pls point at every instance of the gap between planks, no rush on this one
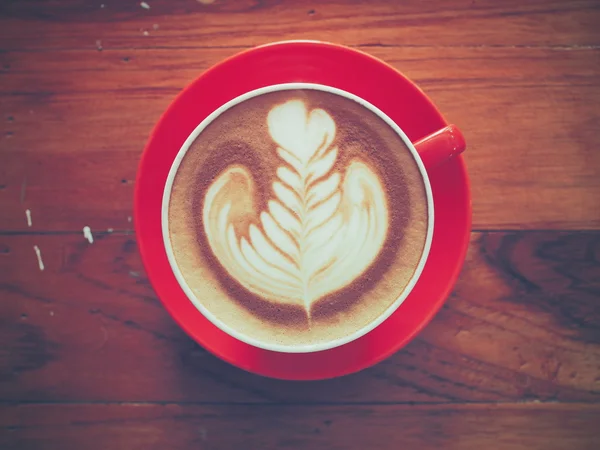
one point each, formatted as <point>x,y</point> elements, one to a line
<point>357,46</point>
<point>130,232</point>
<point>422,405</point>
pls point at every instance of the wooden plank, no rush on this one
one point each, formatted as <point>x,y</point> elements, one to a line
<point>187,23</point>
<point>537,167</point>
<point>60,72</point>
<point>452,427</point>
<point>522,324</point>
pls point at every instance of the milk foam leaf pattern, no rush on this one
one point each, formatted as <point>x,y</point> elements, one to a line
<point>324,225</point>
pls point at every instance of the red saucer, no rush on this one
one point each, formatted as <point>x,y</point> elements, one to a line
<point>346,69</point>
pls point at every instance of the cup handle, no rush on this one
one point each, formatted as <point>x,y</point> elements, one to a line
<point>440,146</point>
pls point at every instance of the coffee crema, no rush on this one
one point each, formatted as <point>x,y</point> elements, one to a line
<point>297,217</point>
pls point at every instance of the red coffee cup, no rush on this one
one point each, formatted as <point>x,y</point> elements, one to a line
<point>438,144</point>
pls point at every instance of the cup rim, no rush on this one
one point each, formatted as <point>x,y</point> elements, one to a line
<point>305,348</point>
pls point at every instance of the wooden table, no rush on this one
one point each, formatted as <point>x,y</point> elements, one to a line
<point>91,360</point>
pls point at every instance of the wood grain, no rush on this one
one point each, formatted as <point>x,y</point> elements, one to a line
<point>189,23</point>
<point>529,115</point>
<point>522,324</point>
<point>451,427</point>
<point>90,358</point>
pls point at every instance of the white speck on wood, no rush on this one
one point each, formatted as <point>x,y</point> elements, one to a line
<point>203,434</point>
<point>51,313</point>
<point>129,219</point>
<point>144,5</point>
<point>38,253</point>
<point>146,33</point>
<point>110,230</point>
<point>155,27</point>
<point>102,6</point>
<point>28,216</point>
<point>98,44</point>
<point>87,233</point>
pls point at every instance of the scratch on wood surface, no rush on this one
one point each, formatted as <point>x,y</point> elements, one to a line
<point>554,374</point>
<point>23,190</point>
<point>87,233</point>
<point>28,216</point>
<point>38,253</point>
<point>104,337</point>
<point>144,5</point>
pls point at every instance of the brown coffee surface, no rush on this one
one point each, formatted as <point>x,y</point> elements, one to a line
<point>297,244</point>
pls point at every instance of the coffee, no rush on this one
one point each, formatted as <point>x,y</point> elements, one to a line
<point>297,217</point>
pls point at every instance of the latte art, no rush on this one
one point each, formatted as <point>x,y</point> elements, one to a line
<point>295,217</point>
<point>322,227</point>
